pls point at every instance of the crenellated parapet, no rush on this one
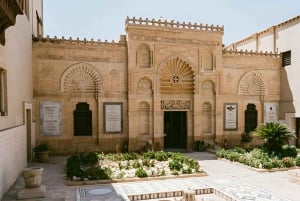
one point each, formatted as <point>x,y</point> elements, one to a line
<point>70,40</point>
<point>172,24</point>
<point>250,53</point>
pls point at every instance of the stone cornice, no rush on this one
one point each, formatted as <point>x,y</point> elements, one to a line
<point>250,53</point>
<point>9,9</point>
<point>77,41</point>
<point>139,22</point>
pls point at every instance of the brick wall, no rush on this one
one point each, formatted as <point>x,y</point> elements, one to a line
<point>13,156</point>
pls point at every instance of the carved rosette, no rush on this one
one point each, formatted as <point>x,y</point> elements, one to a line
<point>176,104</point>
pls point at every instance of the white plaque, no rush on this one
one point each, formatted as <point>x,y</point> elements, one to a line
<point>270,112</point>
<point>230,120</point>
<point>50,118</point>
<point>112,117</point>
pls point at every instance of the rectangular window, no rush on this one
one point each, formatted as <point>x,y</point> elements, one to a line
<point>286,58</point>
<point>3,93</point>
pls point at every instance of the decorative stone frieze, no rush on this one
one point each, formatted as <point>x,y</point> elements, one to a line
<point>175,40</point>
<point>176,104</point>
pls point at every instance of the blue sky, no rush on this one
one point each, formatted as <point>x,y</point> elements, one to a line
<point>104,19</point>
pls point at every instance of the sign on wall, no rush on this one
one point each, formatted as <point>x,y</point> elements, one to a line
<point>50,118</point>
<point>270,112</point>
<point>230,116</point>
<point>113,117</point>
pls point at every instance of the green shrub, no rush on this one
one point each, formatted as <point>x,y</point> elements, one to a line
<point>73,167</point>
<point>149,155</point>
<point>288,151</point>
<point>187,170</point>
<point>161,156</point>
<point>140,172</point>
<point>275,135</point>
<point>89,159</point>
<point>288,162</point>
<point>297,161</point>
<point>175,165</point>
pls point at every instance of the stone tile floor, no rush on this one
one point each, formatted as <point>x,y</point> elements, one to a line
<point>228,181</point>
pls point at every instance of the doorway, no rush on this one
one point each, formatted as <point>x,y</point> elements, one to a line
<point>297,131</point>
<point>175,129</point>
<point>28,134</point>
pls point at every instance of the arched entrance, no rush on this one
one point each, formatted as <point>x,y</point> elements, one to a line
<point>177,89</point>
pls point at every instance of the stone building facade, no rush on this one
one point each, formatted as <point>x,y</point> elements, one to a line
<point>165,84</point>
<point>281,38</point>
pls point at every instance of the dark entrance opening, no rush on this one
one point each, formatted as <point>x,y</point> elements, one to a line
<point>297,131</point>
<point>82,120</point>
<point>175,129</point>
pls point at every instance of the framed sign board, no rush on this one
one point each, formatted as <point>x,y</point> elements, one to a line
<point>50,118</point>
<point>230,116</point>
<point>113,113</point>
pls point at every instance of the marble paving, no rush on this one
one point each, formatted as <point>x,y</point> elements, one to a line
<point>171,189</point>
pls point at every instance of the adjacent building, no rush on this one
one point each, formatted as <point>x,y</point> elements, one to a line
<point>282,38</point>
<point>19,20</point>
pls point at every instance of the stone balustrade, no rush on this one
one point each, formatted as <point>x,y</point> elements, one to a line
<point>173,24</point>
<point>55,39</point>
<point>250,53</point>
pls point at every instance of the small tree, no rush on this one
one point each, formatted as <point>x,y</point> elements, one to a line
<point>275,135</point>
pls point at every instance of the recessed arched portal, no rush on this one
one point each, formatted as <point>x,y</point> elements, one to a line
<point>177,89</point>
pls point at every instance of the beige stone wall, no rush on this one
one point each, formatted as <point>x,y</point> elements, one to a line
<point>69,72</point>
<point>162,67</point>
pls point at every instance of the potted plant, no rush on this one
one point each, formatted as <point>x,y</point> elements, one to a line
<point>246,139</point>
<point>41,152</point>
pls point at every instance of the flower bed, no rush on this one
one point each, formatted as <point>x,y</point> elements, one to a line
<point>95,166</point>
<point>258,158</point>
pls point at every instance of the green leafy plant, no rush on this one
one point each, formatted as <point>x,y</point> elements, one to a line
<point>41,148</point>
<point>140,172</point>
<point>246,137</point>
<point>275,135</point>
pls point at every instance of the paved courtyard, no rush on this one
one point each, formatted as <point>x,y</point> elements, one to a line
<point>225,181</point>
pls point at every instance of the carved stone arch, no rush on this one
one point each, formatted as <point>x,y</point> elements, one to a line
<point>208,88</point>
<point>144,106</point>
<point>81,78</point>
<point>176,77</point>
<point>145,85</point>
<point>252,83</point>
<point>143,56</point>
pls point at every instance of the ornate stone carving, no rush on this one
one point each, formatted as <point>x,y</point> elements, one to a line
<point>145,85</point>
<point>252,84</point>
<point>176,104</point>
<point>175,40</point>
<point>176,77</point>
<point>81,78</point>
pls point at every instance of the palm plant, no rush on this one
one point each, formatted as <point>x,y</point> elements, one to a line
<point>275,135</point>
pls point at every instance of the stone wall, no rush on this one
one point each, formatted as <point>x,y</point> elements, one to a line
<point>13,157</point>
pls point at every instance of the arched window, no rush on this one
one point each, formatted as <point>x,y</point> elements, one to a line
<point>250,117</point>
<point>82,120</point>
